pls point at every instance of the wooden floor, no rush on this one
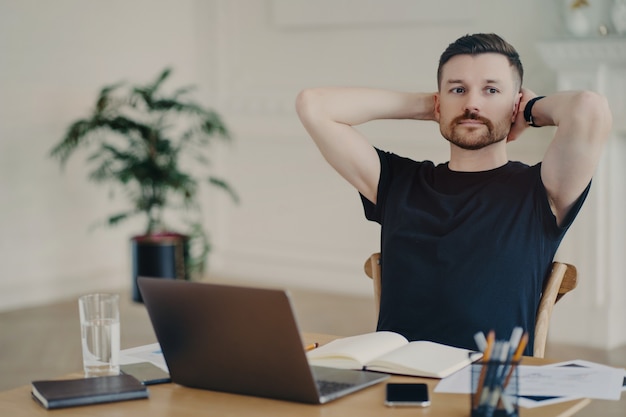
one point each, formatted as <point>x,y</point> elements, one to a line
<point>44,342</point>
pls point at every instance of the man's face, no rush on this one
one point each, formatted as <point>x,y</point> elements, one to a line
<point>477,100</point>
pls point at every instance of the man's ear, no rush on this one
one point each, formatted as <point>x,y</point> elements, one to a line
<point>516,104</point>
<point>437,107</point>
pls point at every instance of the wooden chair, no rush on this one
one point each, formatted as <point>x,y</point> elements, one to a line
<point>561,280</point>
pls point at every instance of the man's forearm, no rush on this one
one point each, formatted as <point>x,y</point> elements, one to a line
<point>329,114</point>
<point>354,106</point>
<point>582,109</point>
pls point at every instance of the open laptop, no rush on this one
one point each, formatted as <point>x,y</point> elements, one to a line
<point>241,340</point>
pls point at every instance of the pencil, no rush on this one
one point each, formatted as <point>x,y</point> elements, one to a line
<point>311,346</point>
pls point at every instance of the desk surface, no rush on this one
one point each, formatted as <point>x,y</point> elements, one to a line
<point>175,400</point>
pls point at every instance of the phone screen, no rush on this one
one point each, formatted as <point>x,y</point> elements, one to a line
<point>407,394</point>
<point>146,372</point>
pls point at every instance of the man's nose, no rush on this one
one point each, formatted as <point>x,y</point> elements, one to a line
<point>472,102</point>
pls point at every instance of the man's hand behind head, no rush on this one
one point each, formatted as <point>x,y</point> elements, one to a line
<point>519,124</point>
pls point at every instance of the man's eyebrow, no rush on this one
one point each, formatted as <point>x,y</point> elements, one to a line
<point>461,81</point>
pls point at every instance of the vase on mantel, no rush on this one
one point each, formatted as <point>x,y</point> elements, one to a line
<point>618,16</point>
<point>576,21</point>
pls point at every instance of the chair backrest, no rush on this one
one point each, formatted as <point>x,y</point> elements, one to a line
<point>561,280</point>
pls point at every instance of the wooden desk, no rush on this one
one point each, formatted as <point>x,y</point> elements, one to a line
<point>175,400</point>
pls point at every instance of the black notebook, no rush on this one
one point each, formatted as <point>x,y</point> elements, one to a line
<point>74,392</point>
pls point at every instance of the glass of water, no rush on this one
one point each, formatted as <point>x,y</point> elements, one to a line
<point>100,334</point>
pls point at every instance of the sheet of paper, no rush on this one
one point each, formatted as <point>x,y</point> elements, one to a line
<point>459,383</point>
<point>146,353</point>
<point>587,364</point>
<point>588,380</point>
<point>532,402</point>
<point>598,383</point>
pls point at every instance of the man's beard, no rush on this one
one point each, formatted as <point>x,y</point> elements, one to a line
<point>471,141</point>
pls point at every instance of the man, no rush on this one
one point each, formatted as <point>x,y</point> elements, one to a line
<point>465,245</point>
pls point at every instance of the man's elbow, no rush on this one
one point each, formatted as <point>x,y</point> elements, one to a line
<point>306,103</point>
<point>594,108</point>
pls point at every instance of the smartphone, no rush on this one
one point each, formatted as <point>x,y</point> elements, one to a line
<point>407,394</point>
<point>146,372</point>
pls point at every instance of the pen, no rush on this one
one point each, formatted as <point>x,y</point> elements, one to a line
<point>311,346</point>
<point>517,356</point>
<point>518,344</point>
<point>493,386</point>
<point>481,341</point>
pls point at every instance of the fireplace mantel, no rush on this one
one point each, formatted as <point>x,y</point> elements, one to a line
<point>580,54</point>
<point>597,64</point>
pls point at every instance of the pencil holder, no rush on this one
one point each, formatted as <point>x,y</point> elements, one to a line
<point>494,389</point>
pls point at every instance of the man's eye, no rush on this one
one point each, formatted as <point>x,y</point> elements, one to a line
<point>457,90</point>
<point>491,90</point>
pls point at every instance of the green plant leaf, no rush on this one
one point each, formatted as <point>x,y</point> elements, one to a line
<point>118,218</point>
<point>220,183</point>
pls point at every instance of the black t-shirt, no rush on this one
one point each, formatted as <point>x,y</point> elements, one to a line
<point>462,252</point>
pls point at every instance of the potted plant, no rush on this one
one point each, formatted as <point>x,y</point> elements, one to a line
<point>154,147</point>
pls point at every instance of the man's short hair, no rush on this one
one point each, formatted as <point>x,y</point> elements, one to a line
<point>481,43</point>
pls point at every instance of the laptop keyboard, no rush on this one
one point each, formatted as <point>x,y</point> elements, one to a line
<point>330,387</point>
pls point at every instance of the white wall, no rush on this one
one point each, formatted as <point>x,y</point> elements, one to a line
<point>298,223</point>
<point>56,55</point>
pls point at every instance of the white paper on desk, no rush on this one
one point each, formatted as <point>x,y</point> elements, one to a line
<point>146,353</point>
<point>532,402</point>
<point>552,381</point>
<point>459,383</point>
<point>599,383</point>
<point>586,364</point>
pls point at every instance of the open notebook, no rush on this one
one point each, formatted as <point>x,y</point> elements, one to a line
<point>392,353</point>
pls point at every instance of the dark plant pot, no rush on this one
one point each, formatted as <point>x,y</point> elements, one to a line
<point>162,255</point>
